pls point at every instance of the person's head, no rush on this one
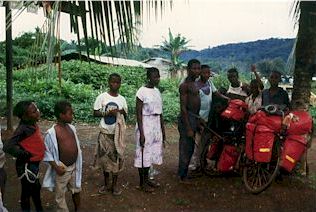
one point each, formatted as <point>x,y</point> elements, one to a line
<point>274,78</point>
<point>194,68</point>
<point>254,87</point>
<point>205,73</point>
<point>114,82</point>
<point>232,76</point>
<point>27,111</point>
<point>153,76</point>
<point>63,111</point>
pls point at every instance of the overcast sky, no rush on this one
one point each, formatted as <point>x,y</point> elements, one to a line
<point>206,23</point>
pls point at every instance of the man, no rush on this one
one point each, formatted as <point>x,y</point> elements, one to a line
<point>275,94</point>
<point>206,91</point>
<point>188,122</point>
<point>237,89</point>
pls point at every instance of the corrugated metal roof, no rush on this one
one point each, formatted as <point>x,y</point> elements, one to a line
<point>105,60</point>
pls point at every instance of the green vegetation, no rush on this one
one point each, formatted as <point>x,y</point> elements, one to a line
<point>81,84</point>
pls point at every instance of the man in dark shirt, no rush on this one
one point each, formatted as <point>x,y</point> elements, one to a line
<point>275,94</point>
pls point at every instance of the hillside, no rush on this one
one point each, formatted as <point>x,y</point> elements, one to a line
<point>248,51</point>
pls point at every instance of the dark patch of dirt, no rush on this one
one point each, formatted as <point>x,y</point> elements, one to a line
<point>206,194</point>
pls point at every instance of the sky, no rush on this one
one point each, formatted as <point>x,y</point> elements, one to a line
<point>206,23</point>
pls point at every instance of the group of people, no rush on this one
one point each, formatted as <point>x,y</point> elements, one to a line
<point>60,146</point>
<point>196,95</point>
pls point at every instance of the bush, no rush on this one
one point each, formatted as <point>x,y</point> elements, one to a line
<point>82,83</point>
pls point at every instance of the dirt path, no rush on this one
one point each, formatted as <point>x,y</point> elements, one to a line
<point>207,194</point>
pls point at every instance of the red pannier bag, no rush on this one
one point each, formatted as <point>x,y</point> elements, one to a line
<point>303,125</point>
<point>263,143</point>
<point>228,158</point>
<point>213,150</point>
<point>236,110</point>
<point>250,132</point>
<point>293,148</point>
<point>273,122</point>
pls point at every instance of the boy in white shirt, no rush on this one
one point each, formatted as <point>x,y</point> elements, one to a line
<point>112,108</point>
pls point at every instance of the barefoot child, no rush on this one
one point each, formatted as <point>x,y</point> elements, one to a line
<point>28,147</point>
<point>112,108</point>
<point>64,156</point>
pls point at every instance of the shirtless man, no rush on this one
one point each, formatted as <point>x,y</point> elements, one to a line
<point>64,156</point>
<point>188,122</point>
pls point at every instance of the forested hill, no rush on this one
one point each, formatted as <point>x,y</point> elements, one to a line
<point>250,52</point>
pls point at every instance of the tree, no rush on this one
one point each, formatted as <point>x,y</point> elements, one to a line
<point>305,52</point>
<point>105,17</point>
<point>175,46</point>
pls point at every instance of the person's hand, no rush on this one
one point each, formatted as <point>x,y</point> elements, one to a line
<point>142,140</point>
<point>113,112</point>
<point>60,170</point>
<point>253,68</point>
<point>190,133</point>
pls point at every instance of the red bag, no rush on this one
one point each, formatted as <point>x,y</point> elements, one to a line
<point>263,143</point>
<point>303,125</point>
<point>250,132</point>
<point>236,110</point>
<point>273,122</point>
<point>293,149</point>
<point>213,150</point>
<point>228,158</point>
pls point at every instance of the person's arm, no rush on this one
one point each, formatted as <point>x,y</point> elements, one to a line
<point>12,146</point>
<point>218,94</point>
<point>139,117</point>
<point>162,125</point>
<point>48,156</point>
<point>183,90</point>
<point>253,69</point>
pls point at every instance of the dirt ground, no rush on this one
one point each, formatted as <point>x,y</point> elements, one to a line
<point>206,194</point>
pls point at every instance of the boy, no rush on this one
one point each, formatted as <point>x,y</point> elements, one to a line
<point>188,122</point>
<point>64,156</point>
<point>237,89</point>
<point>112,108</point>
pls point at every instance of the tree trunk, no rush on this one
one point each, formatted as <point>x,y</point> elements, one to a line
<point>9,62</point>
<point>305,55</point>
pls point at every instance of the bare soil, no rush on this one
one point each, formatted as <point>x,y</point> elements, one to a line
<point>225,193</point>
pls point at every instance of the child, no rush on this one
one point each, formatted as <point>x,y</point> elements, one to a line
<point>237,89</point>
<point>254,100</point>
<point>112,108</point>
<point>150,131</point>
<point>28,147</point>
<point>64,156</point>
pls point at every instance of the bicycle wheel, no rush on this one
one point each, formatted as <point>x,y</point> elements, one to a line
<point>258,176</point>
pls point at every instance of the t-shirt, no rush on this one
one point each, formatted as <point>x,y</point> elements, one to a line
<point>237,90</point>
<point>254,104</point>
<point>104,103</point>
<point>152,101</point>
<point>206,93</point>
<point>280,98</point>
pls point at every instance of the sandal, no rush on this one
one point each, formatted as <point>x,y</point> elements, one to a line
<point>103,190</point>
<point>116,192</point>
<point>153,184</point>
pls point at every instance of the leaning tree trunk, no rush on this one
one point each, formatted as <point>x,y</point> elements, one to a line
<point>305,54</point>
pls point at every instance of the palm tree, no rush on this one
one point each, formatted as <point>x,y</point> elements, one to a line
<point>175,45</point>
<point>305,52</point>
